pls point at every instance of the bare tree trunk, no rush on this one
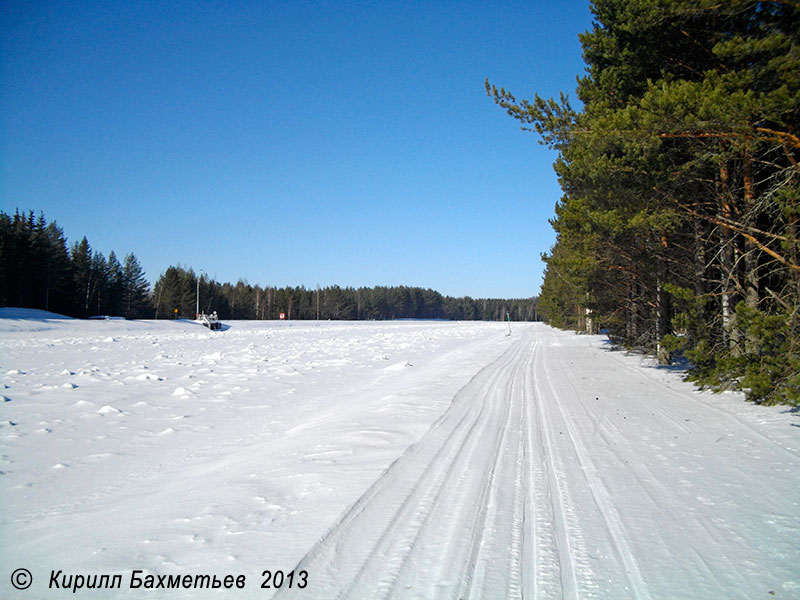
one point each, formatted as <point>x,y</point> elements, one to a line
<point>662,322</point>
<point>728,265</point>
<point>158,300</point>
<point>632,316</point>
<point>663,307</point>
<point>794,253</point>
<point>750,252</point>
<point>699,263</point>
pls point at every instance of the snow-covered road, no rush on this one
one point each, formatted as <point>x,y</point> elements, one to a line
<point>563,470</point>
<point>387,460</point>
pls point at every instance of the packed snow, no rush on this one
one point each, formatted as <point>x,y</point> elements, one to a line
<point>383,460</point>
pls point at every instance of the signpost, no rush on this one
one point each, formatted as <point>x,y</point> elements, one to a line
<point>197,297</point>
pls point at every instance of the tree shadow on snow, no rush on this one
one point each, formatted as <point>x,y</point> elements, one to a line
<point>680,364</point>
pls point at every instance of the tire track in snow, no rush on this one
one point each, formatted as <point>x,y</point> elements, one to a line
<point>541,546</point>
<point>601,498</point>
<point>570,551</point>
<point>493,502</point>
<point>496,563</point>
<point>661,487</point>
<point>455,516</point>
<point>741,423</point>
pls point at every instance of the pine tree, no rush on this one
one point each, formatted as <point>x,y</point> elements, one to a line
<point>681,181</point>
<point>112,304</point>
<point>135,289</point>
<point>83,277</point>
<point>57,270</point>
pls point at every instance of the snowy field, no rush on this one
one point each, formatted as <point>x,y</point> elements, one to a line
<point>383,460</point>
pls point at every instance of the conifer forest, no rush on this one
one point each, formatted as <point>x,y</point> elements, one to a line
<point>39,270</point>
<point>677,228</point>
<point>676,234</point>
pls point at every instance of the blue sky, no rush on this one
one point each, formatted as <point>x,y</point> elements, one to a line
<point>290,143</point>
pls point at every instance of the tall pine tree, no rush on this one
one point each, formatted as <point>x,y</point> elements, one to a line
<point>681,181</point>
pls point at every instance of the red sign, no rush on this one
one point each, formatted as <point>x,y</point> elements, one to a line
<point>282,316</point>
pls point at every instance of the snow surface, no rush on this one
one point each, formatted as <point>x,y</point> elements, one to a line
<point>388,460</point>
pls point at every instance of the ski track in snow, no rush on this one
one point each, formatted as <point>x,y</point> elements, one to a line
<point>507,496</point>
<point>388,460</point>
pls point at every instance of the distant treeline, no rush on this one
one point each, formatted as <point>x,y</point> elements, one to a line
<point>39,270</point>
<point>176,295</point>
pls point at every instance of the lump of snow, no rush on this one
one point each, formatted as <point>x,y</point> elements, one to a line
<point>11,312</point>
<point>110,339</point>
<point>181,391</point>
<point>68,386</point>
<point>108,410</point>
<point>148,377</point>
<point>398,366</point>
<point>167,431</point>
<point>213,356</point>
<point>66,372</point>
<point>15,372</point>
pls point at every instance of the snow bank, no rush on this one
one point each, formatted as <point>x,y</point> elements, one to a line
<point>414,459</point>
<point>28,319</point>
<point>174,448</point>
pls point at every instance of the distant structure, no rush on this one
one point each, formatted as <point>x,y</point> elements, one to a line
<point>211,321</point>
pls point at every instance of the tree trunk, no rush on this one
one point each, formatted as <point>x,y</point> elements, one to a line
<point>751,255</point>
<point>699,263</point>
<point>631,328</point>
<point>728,265</point>
<point>700,272</point>
<point>750,251</point>
<point>663,307</point>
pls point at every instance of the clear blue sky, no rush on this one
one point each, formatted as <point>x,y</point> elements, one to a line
<point>290,143</point>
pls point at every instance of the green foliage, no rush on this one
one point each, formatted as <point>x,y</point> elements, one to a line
<point>681,187</point>
<point>769,371</point>
<point>35,267</point>
<point>135,289</point>
<point>177,289</point>
<point>37,271</point>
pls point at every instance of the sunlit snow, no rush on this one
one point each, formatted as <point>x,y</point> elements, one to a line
<point>394,459</point>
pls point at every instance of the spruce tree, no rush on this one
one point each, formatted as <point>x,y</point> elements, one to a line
<point>83,280</point>
<point>135,289</point>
